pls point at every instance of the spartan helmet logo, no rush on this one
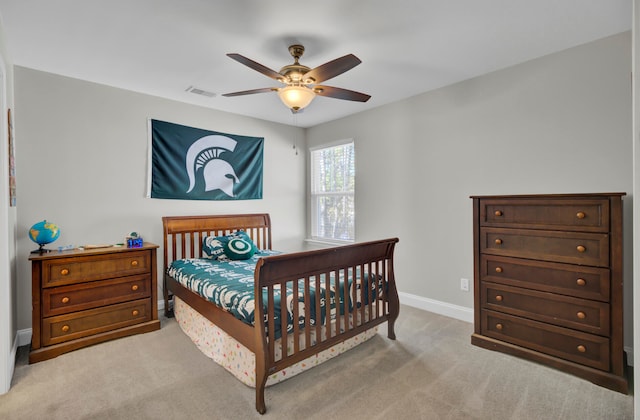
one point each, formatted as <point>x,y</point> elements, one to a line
<point>218,173</point>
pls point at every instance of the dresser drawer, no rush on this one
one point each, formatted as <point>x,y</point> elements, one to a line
<point>82,269</point>
<point>61,328</point>
<point>586,349</point>
<point>580,314</point>
<point>586,215</point>
<point>78,297</point>
<point>572,280</point>
<point>568,247</point>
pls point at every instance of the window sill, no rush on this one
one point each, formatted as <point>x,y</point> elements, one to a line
<point>326,242</point>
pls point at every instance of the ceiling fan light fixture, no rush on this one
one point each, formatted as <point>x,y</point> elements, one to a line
<point>301,82</point>
<point>296,97</point>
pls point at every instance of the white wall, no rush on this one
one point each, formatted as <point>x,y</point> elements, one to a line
<point>557,124</point>
<point>82,159</point>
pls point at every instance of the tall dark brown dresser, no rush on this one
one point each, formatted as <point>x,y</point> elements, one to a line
<point>548,281</point>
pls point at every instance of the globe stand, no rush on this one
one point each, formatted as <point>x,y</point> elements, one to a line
<point>41,250</point>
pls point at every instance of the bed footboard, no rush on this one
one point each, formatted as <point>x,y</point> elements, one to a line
<point>338,292</point>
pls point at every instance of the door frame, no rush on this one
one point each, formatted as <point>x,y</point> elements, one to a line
<point>7,345</point>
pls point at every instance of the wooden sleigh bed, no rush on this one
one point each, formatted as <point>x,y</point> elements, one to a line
<point>355,281</point>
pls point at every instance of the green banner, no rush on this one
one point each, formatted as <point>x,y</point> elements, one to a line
<point>194,164</point>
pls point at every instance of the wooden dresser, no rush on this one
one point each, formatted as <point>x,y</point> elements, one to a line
<point>81,298</point>
<point>548,281</point>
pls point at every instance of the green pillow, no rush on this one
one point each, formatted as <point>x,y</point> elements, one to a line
<point>213,247</point>
<point>239,248</point>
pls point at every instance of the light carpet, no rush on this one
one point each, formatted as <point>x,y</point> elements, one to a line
<point>430,372</point>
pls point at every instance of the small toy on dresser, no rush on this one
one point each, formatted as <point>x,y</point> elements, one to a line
<point>134,240</point>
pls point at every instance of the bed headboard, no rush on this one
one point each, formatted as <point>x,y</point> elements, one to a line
<point>183,234</point>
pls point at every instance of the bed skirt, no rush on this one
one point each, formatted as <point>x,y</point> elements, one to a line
<point>240,361</point>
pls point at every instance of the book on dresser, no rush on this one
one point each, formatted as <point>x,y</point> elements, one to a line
<point>83,297</point>
<point>548,281</point>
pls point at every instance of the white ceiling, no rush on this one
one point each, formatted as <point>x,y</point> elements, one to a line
<point>161,47</point>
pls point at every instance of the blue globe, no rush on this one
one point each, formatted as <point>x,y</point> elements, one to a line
<point>44,233</point>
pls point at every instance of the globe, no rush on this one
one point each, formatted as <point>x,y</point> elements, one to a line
<point>44,233</point>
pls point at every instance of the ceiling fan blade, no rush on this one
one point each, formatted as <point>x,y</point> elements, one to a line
<point>339,93</point>
<point>255,65</point>
<point>250,92</point>
<point>332,69</point>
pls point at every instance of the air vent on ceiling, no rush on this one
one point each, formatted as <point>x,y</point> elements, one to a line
<point>199,91</point>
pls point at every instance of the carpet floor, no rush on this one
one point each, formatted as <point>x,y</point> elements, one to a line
<point>430,372</point>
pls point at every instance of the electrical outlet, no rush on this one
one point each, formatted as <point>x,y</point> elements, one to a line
<point>464,285</point>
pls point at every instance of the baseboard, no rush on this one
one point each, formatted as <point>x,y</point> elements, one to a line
<point>629,351</point>
<point>23,337</point>
<point>14,351</point>
<point>14,354</point>
<point>441,308</point>
<point>11,364</point>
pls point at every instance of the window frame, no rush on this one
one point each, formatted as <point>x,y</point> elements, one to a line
<point>313,196</point>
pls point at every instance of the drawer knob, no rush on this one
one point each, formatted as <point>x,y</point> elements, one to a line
<point>581,282</point>
<point>65,328</point>
<point>499,298</point>
<point>498,213</point>
<point>498,241</point>
<point>135,312</point>
<point>65,300</point>
<point>499,327</point>
<point>581,248</point>
<point>134,287</point>
<point>581,348</point>
<point>134,263</point>
<point>580,215</point>
<point>581,315</point>
<point>498,269</point>
<point>64,271</point>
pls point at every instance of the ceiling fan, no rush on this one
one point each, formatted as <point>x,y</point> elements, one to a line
<point>301,82</point>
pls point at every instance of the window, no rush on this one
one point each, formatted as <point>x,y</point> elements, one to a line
<point>333,193</point>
